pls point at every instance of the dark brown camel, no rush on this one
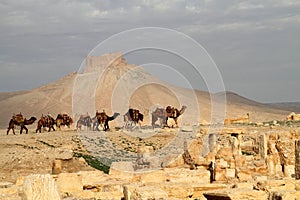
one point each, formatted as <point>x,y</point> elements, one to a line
<point>18,120</point>
<point>63,120</point>
<point>84,120</point>
<point>103,118</point>
<point>45,121</point>
<point>174,113</point>
<point>132,117</point>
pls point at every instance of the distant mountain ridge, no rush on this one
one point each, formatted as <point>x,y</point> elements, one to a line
<point>292,106</point>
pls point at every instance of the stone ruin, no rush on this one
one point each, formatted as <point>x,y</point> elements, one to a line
<point>252,163</point>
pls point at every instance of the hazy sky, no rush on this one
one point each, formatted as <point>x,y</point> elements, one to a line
<point>255,44</point>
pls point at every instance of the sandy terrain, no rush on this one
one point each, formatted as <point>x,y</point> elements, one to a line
<point>30,153</point>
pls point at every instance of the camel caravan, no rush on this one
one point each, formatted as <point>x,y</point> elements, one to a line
<point>132,118</point>
<point>46,121</point>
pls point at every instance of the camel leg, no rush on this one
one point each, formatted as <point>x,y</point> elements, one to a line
<point>106,127</point>
<point>154,119</point>
<point>38,129</point>
<point>23,127</point>
<point>166,122</point>
<point>8,129</point>
<point>175,119</point>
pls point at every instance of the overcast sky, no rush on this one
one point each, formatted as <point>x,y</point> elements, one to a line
<point>255,44</point>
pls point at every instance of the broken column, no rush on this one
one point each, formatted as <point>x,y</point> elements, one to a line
<point>263,146</point>
<point>297,159</point>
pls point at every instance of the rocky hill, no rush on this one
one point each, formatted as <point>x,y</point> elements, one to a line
<point>109,82</point>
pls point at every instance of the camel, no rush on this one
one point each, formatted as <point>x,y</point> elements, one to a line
<point>103,118</point>
<point>45,121</point>
<point>18,120</point>
<point>133,116</point>
<point>165,114</point>
<point>84,120</point>
<point>63,119</point>
<point>95,123</point>
<point>240,120</point>
<point>160,114</point>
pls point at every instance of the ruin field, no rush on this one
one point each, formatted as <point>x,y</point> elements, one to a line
<point>200,162</point>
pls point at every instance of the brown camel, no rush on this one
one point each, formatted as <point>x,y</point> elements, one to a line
<point>103,119</point>
<point>63,119</point>
<point>18,120</point>
<point>173,113</point>
<point>132,117</point>
<point>45,121</point>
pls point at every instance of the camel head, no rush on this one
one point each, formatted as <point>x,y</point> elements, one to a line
<point>183,108</point>
<point>116,114</point>
<point>30,121</point>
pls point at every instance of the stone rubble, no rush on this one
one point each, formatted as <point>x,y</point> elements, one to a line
<point>241,164</point>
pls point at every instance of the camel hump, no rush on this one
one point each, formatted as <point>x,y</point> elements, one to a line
<point>18,117</point>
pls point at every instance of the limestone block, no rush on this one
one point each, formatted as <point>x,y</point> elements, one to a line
<point>221,163</point>
<point>184,175</point>
<point>148,192</point>
<point>110,186</point>
<point>261,178</point>
<point>199,189</point>
<point>230,173</point>
<point>12,190</point>
<point>244,175</point>
<point>70,183</point>
<point>145,149</point>
<point>285,195</point>
<point>173,160</point>
<point>225,153</point>
<point>236,194</point>
<point>244,185</point>
<point>155,176</point>
<point>89,194</point>
<point>123,170</point>
<point>297,185</point>
<point>279,185</point>
<point>40,186</point>
<point>289,170</point>
<point>240,161</point>
<point>129,189</point>
<point>177,190</point>
<point>91,178</point>
<point>220,175</point>
<point>195,149</point>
